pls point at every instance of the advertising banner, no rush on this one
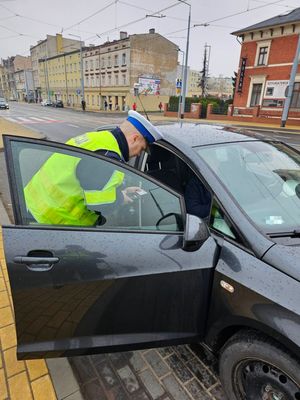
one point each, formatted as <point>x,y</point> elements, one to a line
<point>149,86</point>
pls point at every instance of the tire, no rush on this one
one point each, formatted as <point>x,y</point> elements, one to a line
<point>255,367</point>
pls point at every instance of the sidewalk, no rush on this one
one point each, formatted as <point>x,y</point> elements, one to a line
<point>34,379</point>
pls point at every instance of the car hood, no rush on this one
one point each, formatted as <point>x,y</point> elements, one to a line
<point>285,259</point>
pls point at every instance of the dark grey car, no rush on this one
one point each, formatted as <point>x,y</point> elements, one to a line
<point>154,274</point>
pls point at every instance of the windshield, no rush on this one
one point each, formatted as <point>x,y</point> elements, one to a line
<point>264,178</point>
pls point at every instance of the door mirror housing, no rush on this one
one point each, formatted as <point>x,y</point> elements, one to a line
<point>195,234</point>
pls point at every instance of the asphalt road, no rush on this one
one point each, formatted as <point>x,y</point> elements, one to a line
<point>60,124</point>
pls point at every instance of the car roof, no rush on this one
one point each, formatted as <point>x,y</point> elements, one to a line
<point>202,134</point>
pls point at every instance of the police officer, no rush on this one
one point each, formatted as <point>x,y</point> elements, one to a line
<point>66,190</point>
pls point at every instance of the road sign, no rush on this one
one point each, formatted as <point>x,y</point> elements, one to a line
<point>179,83</point>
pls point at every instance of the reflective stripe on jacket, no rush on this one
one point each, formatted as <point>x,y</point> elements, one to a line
<point>54,194</point>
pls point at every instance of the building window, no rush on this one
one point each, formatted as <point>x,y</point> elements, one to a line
<point>86,65</point>
<point>262,56</point>
<point>109,62</point>
<point>97,64</point>
<point>109,80</point>
<point>123,59</point>
<point>102,62</point>
<point>91,64</point>
<point>295,102</point>
<point>117,80</point>
<point>116,60</point>
<point>256,94</point>
<point>93,100</point>
<point>124,79</point>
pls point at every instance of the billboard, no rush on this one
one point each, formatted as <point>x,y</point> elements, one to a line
<point>149,86</point>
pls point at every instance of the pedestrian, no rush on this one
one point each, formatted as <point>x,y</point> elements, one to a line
<point>105,105</point>
<point>67,190</point>
<point>134,106</point>
<point>160,106</point>
<point>83,104</point>
<point>110,106</point>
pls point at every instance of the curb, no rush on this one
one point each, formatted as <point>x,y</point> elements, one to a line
<point>60,370</point>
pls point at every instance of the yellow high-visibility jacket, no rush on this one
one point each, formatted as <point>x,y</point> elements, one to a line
<point>54,194</point>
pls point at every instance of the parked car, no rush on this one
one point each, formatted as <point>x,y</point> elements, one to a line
<point>46,103</point>
<point>3,104</point>
<point>58,103</point>
<point>153,274</point>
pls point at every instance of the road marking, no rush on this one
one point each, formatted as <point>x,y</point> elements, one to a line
<point>31,120</point>
<point>73,126</point>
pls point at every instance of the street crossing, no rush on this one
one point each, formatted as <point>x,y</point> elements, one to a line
<point>31,120</point>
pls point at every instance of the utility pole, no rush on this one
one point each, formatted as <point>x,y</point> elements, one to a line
<point>287,103</point>
<point>186,62</point>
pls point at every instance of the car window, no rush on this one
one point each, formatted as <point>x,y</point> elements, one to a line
<point>60,186</point>
<point>264,179</point>
<point>220,223</point>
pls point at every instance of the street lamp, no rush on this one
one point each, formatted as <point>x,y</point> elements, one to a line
<point>81,66</point>
<point>186,61</point>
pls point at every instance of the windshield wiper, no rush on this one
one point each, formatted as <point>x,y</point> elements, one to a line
<point>295,234</point>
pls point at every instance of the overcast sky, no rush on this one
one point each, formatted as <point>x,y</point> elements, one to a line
<point>24,22</point>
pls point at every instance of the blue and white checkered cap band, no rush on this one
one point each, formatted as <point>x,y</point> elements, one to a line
<point>149,131</point>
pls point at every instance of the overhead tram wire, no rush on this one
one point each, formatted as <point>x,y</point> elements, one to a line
<point>207,23</point>
<point>90,16</point>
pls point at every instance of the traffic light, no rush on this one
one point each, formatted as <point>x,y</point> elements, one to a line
<point>233,80</point>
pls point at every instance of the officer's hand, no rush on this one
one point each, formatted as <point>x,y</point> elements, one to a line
<point>129,194</point>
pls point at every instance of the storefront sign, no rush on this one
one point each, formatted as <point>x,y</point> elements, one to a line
<point>276,89</point>
<point>242,74</point>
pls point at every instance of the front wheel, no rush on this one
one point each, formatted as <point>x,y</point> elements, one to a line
<point>254,367</point>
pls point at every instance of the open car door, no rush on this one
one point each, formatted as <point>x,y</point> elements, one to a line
<point>124,283</point>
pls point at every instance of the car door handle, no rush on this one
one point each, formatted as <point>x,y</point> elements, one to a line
<point>38,264</point>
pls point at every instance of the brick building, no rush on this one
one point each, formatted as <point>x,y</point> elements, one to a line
<point>267,55</point>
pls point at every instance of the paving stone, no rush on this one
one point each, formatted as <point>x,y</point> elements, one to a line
<point>165,351</point>
<point>83,368</point>
<point>196,390</point>
<point>139,396</point>
<point>218,393</point>
<point>184,352</point>
<point>174,388</point>
<point>99,358</point>
<point>107,375</point>
<point>93,390</point>
<point>202,353</point>
<point>152,384</point>
<point>179,368</point>
<point>137,361</point>
<point>202,373</point>
<point>156,362</point>
<point>129,379</point>
<point>118,360</point>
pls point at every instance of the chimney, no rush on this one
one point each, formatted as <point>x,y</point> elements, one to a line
<point>123,35</point>
<point>152,30</point>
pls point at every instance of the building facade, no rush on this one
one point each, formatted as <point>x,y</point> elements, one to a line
<point>24,85</point>
<point>115,71</point>
<point>267,54</point>
<point>60,78</point>
<point>10,67</point>
<point>45,49</point>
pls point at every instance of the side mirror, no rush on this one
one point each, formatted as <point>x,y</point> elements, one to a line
<point>195,234</point>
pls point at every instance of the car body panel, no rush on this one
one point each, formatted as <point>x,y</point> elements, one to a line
<point>270,299</point>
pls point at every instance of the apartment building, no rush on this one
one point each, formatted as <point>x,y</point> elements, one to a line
<point>46,49</point>
<point>10,66</point>
<point>116,70</point>
<point>60,78</point>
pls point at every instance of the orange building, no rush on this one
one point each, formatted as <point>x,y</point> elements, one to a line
<point>267,55</point>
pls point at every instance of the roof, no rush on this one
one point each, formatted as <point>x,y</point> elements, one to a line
<point>281,19</point>
<point>201,134</point>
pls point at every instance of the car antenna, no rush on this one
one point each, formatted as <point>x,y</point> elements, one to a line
<point>138,95</point>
